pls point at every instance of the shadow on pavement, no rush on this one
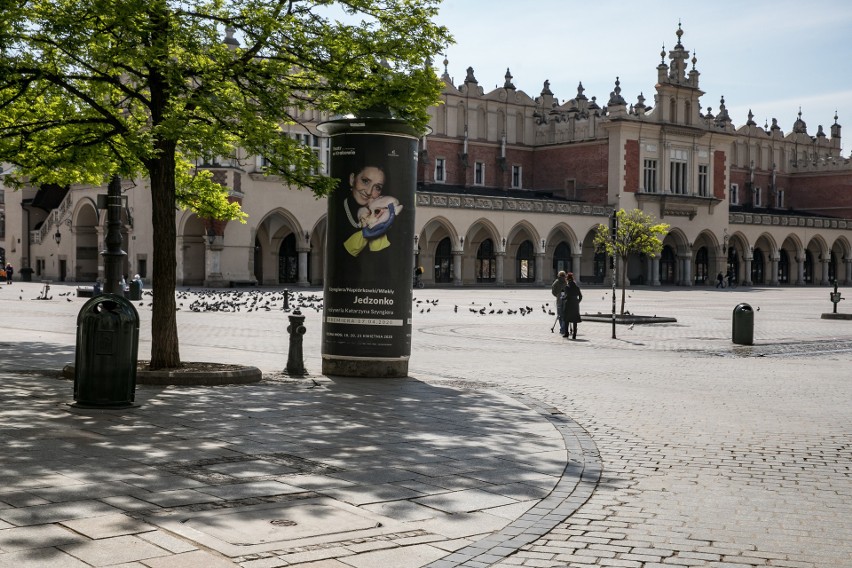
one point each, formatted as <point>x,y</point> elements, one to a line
<point>35,355</point>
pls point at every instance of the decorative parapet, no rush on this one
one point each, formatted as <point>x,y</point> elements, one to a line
<point>789,221</point>
<point>452,201</point>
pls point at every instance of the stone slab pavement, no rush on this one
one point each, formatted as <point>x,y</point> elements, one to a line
<point>507,445</point>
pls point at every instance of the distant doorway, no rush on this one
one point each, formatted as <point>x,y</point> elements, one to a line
<point>288,260</point>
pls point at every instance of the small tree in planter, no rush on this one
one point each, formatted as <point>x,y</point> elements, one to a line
<point>636,232</point>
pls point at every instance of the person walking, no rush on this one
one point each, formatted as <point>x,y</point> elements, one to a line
<point>571,311</point>
<point>9,271</point>
<point>556,289</point>
<point>720,281</point>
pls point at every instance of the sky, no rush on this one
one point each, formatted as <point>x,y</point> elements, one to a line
<point>770,56</point>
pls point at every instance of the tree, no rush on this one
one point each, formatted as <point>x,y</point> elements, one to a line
<point>90,89</point>
<point>636,233</point>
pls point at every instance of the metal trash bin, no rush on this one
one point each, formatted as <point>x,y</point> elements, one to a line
<point>135,290</point>
<point>106,356</point>
<point>743,325</point>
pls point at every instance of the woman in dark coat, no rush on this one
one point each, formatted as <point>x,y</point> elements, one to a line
<point>571,310</point>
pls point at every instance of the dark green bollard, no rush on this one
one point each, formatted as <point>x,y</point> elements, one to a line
<point>296,329</point>
<point>106,355</point>
<point>743,325</point>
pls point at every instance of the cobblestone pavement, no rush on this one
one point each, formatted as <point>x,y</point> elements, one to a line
<point>684,449</point>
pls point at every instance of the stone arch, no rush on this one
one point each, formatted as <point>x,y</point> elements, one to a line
<point>85,227</point>
<point>520,228</point>
<point>562,249</point>
<point>593,266</point>
<point>522,247</point>
<point>841,261</point>
<point>817,257</point>
<point>706,258</point>
<point>192,251</point>
<point>789,253</point>
<point>764,253</point>
<point>480,269</point>
<point>437,248</point>
<point>478,230</point>
<point>738,251</point>
<point>277,257</point>
<point>673,265</point>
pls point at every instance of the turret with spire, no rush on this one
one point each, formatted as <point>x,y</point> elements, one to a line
<point>678,96</point>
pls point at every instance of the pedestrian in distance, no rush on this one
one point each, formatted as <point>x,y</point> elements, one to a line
<point>9,271</point>
<point>571,311</point>
<point>556,289</point>
<point>720,281</point>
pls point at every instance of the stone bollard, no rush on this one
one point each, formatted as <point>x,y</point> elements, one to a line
<point>295,358</point>
<point>286,307</point>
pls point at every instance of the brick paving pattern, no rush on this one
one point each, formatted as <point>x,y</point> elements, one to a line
<point>667,446</point>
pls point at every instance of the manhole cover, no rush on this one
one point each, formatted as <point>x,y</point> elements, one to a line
<point>257,528</point>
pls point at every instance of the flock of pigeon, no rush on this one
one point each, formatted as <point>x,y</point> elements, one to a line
<point>258,300</point>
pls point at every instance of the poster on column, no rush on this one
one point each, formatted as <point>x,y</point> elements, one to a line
<point>369,250</point>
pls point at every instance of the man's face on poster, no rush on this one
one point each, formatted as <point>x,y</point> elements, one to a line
<point>367,184</point>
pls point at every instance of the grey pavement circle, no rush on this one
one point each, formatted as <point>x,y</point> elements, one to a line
<point>508,445</point>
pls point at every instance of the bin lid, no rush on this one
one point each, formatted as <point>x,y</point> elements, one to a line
<point>112,303</point>
<point>743,307</point>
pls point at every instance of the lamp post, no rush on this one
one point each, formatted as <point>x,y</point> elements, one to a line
<point>613,230</point>
<point>113,254</point>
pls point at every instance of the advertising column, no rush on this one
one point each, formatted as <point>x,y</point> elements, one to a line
<point>369,266</point>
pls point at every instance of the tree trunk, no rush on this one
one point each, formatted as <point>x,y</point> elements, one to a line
<point>165,351</point>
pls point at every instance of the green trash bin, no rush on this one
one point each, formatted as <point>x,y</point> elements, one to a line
<point>135,290</point>
<point>106,356</point>
<point>743,325</point>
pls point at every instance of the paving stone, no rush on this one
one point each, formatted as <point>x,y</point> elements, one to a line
<point>107,526</point>
<point>37,536</point>
<point>40,558</point>
<point>114,550</point>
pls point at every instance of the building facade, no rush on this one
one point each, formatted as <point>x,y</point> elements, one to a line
<point>510,190</point>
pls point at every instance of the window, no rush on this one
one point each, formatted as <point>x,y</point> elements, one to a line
<point>678,168</point>
<point>757,202</point>
<point>479,173</point>
<point>734,194</point>
<point>779,199</point>
<point>315,144</point>
<point>516,176</point>
<point>440,170</point>
<point>702,180</point>
<point>650,176</point>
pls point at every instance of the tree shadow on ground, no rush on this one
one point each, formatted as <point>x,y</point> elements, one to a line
<point>35,355</point>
